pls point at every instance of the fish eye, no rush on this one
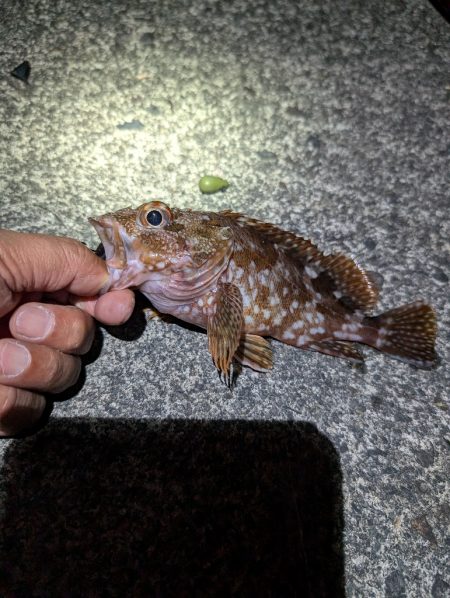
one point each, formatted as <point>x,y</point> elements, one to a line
<point>154,217</point>
<point>154,214</point>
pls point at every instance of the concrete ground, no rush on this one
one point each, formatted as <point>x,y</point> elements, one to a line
<point>151,478</point>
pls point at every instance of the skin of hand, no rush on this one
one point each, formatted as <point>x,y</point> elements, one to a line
<point>41,341</point>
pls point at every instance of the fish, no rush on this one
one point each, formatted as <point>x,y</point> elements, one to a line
<point>246,281</point>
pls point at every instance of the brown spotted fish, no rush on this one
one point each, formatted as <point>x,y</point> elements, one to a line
<point>242,280</point>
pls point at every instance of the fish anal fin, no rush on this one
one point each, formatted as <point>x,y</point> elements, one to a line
<point>338,349</point>
<point>225,327</point>
<point>255,352</point>
<point>352,281</point>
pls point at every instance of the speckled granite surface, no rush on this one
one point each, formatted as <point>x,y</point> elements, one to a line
<point>330,120</point>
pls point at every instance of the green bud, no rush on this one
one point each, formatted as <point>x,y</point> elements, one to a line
<point>212,184</point>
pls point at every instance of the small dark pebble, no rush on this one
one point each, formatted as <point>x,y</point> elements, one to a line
<point>294,111</point>
<point>421,525</point>
<point>395,585</point>
<point>147,39</point>
<point>313,142</point>
<point>439,275</point>
<point>424,458</point>
<point>22,71</point>
<point>153,110</point>
<point>376,401</point>
<point>370,243</point>
<point>130,126</point>
<point>266,155</point>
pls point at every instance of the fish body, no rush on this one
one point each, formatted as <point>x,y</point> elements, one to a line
<point>243,280</point>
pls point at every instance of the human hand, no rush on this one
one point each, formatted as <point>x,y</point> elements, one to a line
<point>40,342</point>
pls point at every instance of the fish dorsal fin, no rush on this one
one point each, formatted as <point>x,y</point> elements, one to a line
<point>338,273</point>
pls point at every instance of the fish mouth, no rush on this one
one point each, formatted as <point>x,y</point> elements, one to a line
<point>109,233</point>
<point>125,268</point>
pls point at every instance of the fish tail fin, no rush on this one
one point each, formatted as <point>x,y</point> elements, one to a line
<point>407,333</point>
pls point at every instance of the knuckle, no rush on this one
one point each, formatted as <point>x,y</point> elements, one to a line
<point>63,371</point>
<point>8,398</point>
<point>19,409</point>
<point>81,332</point>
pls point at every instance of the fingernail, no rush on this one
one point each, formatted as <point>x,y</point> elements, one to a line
<point>14,358</point>
<point>34,322</point>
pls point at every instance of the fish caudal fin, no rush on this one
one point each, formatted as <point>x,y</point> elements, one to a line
<point>407,333</point>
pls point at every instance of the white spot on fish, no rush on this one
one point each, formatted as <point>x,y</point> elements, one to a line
<point>249,320</point>
<point>160,265</point>
<point>310,272</point>
<point>239,274</point>
<point>263,279</point>
<point>298,324</point>
<point>303,339</point>
<point>310,317</point>
<point>246,301</point>
<point>277,320</point>
<point>274,300</point>
<point>266,314</point>
<point>288,335</point>
<point>340,334</point>
<point>318,330</point>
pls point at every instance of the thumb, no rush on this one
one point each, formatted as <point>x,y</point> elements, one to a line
<point>43,263</point>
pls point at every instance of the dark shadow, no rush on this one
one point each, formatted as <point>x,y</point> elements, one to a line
<point>134,327</point>
<point>174,508</point>
<point>443,7</point>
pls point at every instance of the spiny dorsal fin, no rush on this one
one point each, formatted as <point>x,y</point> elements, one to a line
<point>350,280</point>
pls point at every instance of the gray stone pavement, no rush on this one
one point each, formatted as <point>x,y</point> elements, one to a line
<point>329,119</point>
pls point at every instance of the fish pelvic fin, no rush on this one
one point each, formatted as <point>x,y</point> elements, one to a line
<point>408,333</point>
<point>255,352</point>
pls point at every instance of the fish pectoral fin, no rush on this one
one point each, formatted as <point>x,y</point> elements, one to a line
<point>255,352</point>
<point>338,349</point>
<point>225,327</point>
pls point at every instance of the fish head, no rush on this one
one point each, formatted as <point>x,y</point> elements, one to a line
<point>161,250</point>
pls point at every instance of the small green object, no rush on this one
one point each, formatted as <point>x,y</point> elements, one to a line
<point>212,184</point>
